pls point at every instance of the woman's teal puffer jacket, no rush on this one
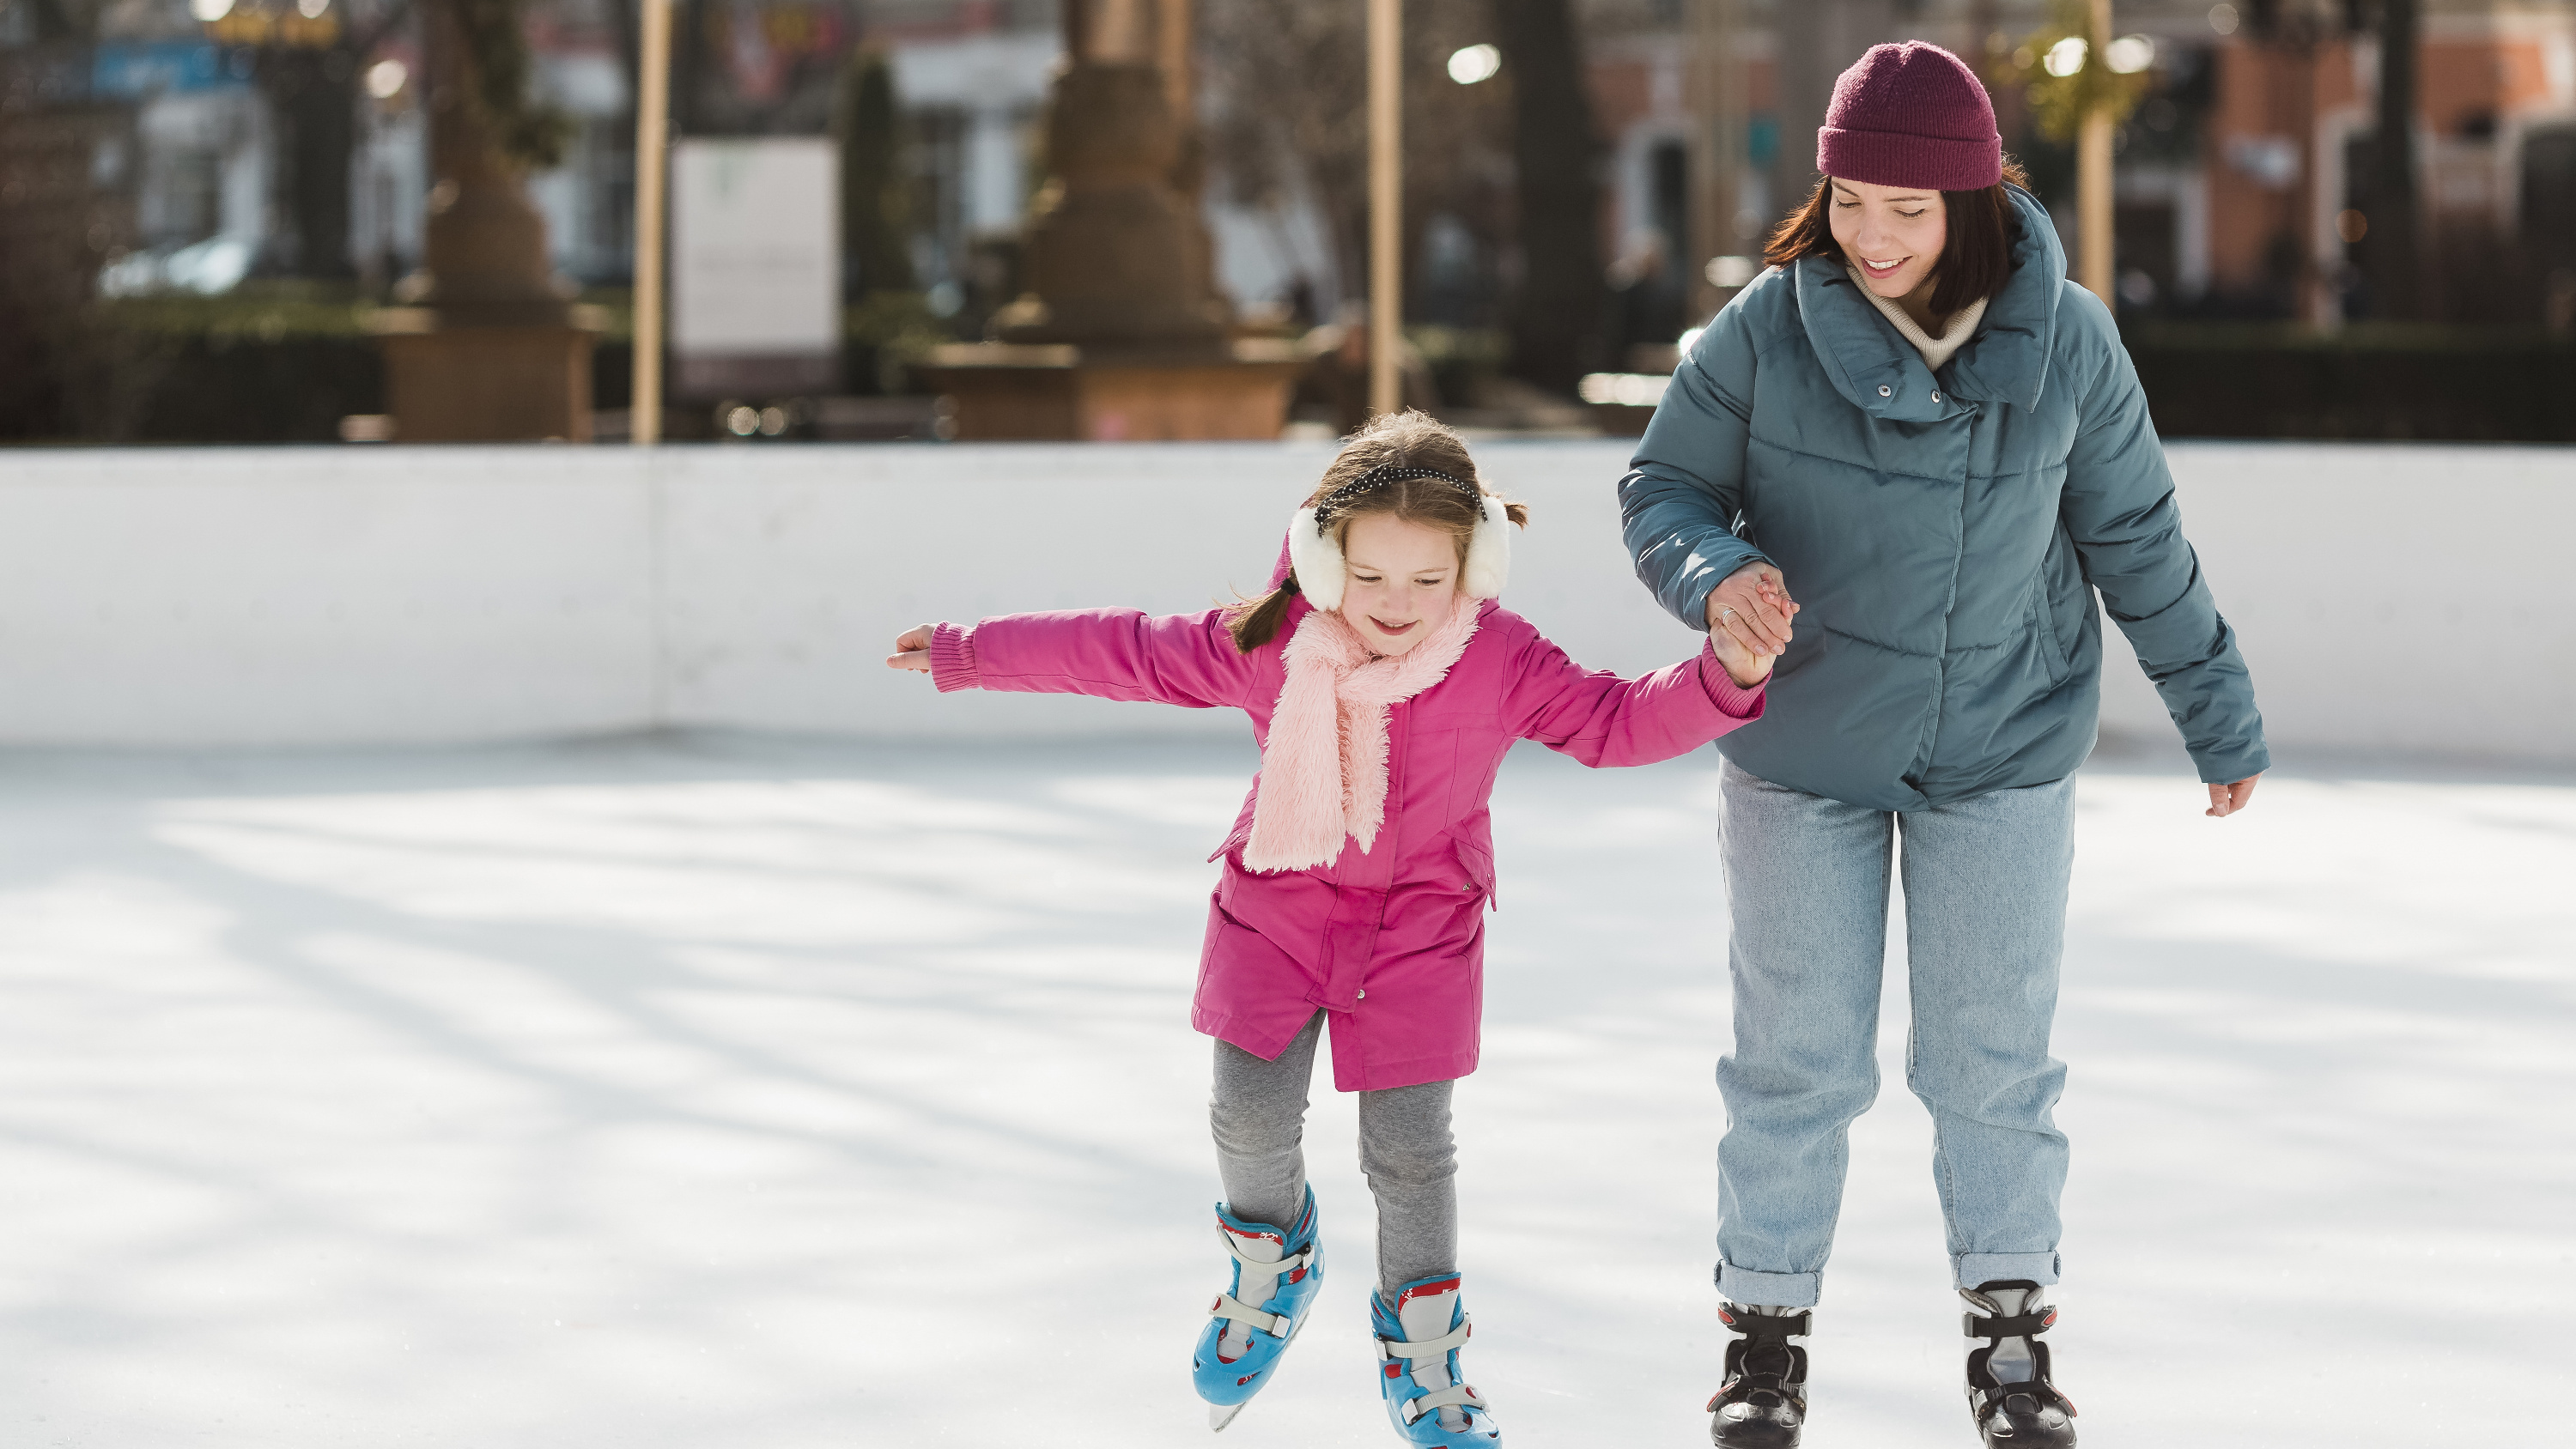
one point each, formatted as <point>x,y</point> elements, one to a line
<point>1944,534</point>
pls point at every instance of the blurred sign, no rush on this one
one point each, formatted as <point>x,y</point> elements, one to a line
<point>762,45</point>
<point>755,266</point>
<point>153,67</point>
<point>242,25</point>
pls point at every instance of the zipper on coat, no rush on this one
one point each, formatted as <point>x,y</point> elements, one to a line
<point>1931,747</point>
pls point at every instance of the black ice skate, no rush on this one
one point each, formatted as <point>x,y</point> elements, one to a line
<point>2009,1393</point>
<point>1763,1404</point>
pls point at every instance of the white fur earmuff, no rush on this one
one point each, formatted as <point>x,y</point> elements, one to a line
<point>1317,557</point>
<point>1322,572</point>
<point>1489,553</point>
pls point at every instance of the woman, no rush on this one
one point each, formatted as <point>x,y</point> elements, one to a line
<point>1914,441</point>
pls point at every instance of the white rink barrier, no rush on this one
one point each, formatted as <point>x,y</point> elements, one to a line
<point>2393,599</point>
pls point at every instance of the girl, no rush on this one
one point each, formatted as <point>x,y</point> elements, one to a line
<point>1916,417</point>
<point>1385,686</point>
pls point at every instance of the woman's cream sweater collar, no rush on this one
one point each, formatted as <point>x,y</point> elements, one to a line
<point>1935,350</point>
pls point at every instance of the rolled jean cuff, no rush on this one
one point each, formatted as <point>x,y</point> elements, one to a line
<point>1779,1290</point>
<point>1973,1269</point>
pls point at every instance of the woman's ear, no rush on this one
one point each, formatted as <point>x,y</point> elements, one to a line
<point>1489,552</point>
<point>1316,556</point>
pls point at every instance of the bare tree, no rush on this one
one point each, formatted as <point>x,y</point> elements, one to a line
<point>1287,82</point>
<point>2394,274</point>
<point>1557,308</point>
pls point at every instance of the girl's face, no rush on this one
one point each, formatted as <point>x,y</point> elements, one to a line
<point>1892,234</point>
<point>1403,580</point>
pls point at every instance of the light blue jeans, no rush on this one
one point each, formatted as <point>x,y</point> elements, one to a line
<point>1985,924</point>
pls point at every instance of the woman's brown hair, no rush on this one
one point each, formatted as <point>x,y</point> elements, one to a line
<point>1976,259</point>
<point>1407,439</point>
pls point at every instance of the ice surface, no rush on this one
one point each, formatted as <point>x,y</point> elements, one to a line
<point>731,1092</point>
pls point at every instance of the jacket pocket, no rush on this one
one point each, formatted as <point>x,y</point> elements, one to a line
<point>2041,621</point>
<point>1478,862</point>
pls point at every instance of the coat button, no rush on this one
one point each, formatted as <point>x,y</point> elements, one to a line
<point>1885,391</point>
<point>1363,996</point>
<point>1936,394</point>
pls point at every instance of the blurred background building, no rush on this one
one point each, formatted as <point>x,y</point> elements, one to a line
<point>2243,178</point>
<point>201,200</point>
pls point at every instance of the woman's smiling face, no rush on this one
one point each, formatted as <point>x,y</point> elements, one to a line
<point>1403,580</point>
<point>1893,235</point>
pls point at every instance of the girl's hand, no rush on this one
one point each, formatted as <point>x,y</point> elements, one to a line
<point>914,644</point>
<point>1745,667</point>
<point>2226,800</point>
<point>1752,605</point>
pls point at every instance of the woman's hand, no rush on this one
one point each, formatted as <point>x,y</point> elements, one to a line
<point>2226,800</point>
<point>914,644</point>
<point>1753,607</point>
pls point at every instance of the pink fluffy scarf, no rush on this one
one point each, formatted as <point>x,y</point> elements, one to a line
<point>1323,771</point>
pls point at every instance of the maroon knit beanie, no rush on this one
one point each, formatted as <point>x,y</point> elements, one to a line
<point>1911,115</point>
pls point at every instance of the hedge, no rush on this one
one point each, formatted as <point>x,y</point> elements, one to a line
<point>2367,383</point>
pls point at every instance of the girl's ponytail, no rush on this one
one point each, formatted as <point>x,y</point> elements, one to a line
<point>1256,622</point>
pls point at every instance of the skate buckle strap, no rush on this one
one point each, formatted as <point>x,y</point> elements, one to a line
<point>1765,1325</point>
<point>1456,1396</point>
<point>2038,1389</point>
<point>1763,1368</point>
<point>1752,1385</point>
<point>1761,1390</point>
<point>1388,1348</point>
<point>2000,1326</point>
<point>1288,1265</point>
<point>1277,1325</point>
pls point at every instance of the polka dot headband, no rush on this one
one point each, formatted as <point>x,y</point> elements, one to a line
<point>1331,505</point>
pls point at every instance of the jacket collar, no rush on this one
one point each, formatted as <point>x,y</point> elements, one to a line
<point>1879,372</point>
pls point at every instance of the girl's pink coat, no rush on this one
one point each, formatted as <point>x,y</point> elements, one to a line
<point>1389,943</point>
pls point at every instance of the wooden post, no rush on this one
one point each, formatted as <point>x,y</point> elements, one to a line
<point>2093,172</point>
<point>652,138</point>
<point>1386,203</point>
<point>1716,152</point>
<point>1173,38</point>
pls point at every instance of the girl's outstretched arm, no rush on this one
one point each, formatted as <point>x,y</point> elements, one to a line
<point>1602,719</point>
<point>1184,659</point>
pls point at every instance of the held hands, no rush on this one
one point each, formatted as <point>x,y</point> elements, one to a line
<point>1748,622</point>
<point>914,644</point>
<point>1748,626</point>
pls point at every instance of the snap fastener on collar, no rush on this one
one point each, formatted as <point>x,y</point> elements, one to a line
<point>1885,391</point>
<point>1936,394</point>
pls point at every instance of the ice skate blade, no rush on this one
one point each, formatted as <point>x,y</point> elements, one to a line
<point>1220,1415</point>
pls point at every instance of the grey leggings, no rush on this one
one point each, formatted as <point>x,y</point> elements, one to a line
<point>1258,1114</point>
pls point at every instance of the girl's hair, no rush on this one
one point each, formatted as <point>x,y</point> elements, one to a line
<point>1975,262</point>
<point>1391,440</point>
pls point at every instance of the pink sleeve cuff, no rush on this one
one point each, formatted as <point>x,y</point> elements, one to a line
<point>952,659</point>
<point>1732,699</point>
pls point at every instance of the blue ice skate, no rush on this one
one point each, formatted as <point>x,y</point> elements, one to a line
<point>1276,1273</point>
<point>1427,1398</point>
